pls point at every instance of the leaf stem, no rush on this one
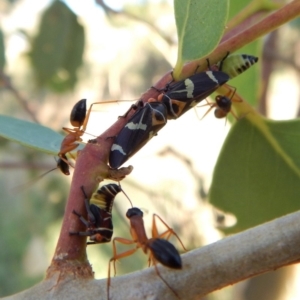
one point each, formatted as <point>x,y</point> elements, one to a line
<point>252,8</point>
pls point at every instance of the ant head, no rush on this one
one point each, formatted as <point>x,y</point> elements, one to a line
<point>134,211</point>
<point>78,113</point>
<point>224,103</point>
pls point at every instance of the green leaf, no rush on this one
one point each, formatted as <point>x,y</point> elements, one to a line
<point>258,171</point>
<point>200,26</point>
<point>74,48</point>
<point>30,134</point>
<point>58,48</point>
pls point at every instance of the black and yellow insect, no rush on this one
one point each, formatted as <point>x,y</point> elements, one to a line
<point>99,225</point>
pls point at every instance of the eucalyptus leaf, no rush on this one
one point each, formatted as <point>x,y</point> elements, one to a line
<point>200,26</point>
<point>58,47</point>
<point>257,175</point>
<point>30,134</point>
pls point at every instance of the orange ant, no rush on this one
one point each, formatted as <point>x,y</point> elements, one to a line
<point>223,105</point>
<point>160,250</point>
<point>79,118</point>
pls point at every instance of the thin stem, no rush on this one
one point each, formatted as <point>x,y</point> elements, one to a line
<point>252,8</point>
<point>136,18</point>
<point>21,100</point>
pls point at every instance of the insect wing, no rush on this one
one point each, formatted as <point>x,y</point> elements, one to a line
<point>103,224</point>
<point>97,214</point>
<point>198,86</point>
<point>164,252</point>
<point>140,128</point>
<point>192,90</point>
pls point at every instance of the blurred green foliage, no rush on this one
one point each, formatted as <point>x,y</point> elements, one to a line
<point>57,50</point>
<point>2,51</point>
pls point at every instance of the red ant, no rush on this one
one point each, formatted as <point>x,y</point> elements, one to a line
<point>79,118</point>
<point>223,105</point>
<point>160,250</point>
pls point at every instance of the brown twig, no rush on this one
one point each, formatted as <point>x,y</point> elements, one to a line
<point>24,103</point>
<point>27,166</point>
<point>136,18</point>
<point>267,70</point>
<point>189,165</point>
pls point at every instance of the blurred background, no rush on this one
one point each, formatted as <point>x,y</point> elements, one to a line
<point>101,52</point>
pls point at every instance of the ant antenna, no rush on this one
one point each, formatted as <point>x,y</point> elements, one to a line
<point>125,194</point>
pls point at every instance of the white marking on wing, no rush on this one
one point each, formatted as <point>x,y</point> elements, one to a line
<point>136,126</point>
<point>211,76</point>
<point>189,85</point>
<point>118,148</point>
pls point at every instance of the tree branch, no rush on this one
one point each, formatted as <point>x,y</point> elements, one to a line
<point>129,15</point>
<point>255,251</point>
<point>24,102</point>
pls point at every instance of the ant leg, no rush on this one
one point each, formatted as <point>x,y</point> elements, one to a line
<point>91,216</point>
<point>166,283</point>
<point>222,61</point>
<point>212,105</point>
<point>81,218</point>
<point>118,256</point>
<point>85,122</point>
<point>136,106</point>
<point>167,233</point>
<point>80,233</point>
